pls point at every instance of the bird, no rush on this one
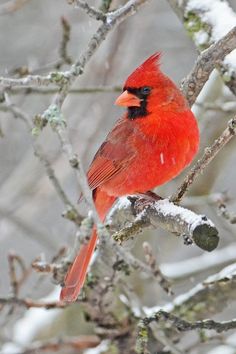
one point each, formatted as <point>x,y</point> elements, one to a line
<point>154,140</point>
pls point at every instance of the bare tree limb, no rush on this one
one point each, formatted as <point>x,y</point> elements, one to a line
<point>206,62</point>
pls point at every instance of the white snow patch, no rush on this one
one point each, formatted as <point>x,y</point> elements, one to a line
<point>179,300</point>
<point>122,203</point>
<point>10,348</point>
<point>27,327</point>
<point>34,319</point>
<point>101,348</point>
<point>169,209</point>
<point>215,12</point>
<point>201,38</point>
<point>205,92</point>
<point>222,349</point>
<point>226,273</point>
<point>230,60</point>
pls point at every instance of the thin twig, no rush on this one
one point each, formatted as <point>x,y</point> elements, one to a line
<point>151,261</point>
<point>65,58</point>
<point>51,90</point>
<point>14,259</point>
<point>112,19</point>
<point>28,81</point>
<point>226,214</point>
<point>183,325</point>
<point>71,212</point>
<point>28,303</point>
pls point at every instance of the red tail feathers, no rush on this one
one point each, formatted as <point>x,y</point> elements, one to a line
<point>76,275</point>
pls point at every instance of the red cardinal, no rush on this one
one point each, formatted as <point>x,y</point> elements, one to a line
<point>152,143</point>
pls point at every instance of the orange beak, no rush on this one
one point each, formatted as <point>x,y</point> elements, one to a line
<point>128,99</point>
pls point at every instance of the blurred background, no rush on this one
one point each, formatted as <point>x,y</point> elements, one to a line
<point>30,211</point>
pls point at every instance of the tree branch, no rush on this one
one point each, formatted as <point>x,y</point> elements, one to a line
<point>178,324</point>
<point>213,295</point>
<point>28,303</point>
<point>205,64</point>
<point>205,29</point>
<point>183,325</point>
<point>51,90</point>
<point>143,212</point>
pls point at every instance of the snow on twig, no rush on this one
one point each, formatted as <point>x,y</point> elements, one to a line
<point>141,213</point>
<point>205,64</point>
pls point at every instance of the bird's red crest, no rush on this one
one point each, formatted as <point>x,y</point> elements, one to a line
<point>146,72</point>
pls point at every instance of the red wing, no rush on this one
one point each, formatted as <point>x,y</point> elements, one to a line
<point>114,155</point>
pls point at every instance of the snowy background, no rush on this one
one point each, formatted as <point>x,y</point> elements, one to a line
<point>30,211</point>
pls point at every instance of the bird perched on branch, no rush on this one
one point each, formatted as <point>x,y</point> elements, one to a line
<point>150,144</point>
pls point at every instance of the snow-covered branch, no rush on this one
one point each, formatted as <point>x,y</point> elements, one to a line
<point>206,22</point>
<point>143,212</point>
<point>213,294</point>
<point>179,325</point>
<point>205,64</point>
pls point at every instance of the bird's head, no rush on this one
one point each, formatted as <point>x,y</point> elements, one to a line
<point>139,86</point>
<point>148,89</point>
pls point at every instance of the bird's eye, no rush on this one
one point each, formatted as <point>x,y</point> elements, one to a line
<point>145,90</point>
